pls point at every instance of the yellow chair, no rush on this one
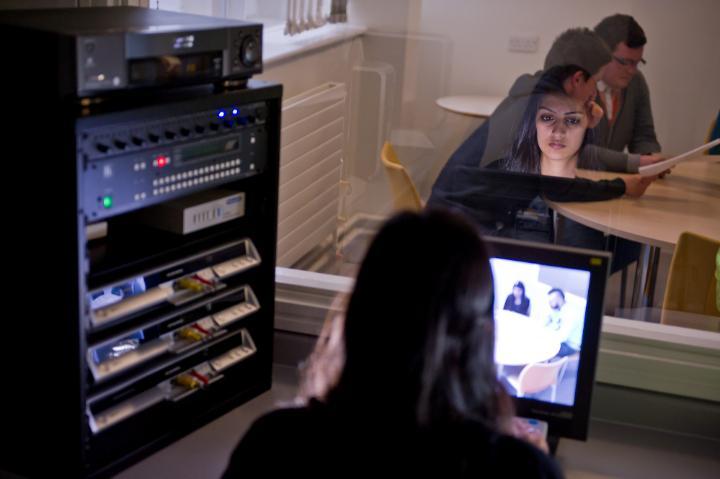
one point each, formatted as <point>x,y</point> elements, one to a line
<point>405,195</point>
<point>713,134</point>
<point>717,280</point>
<point>537,377</point>
<point>691,293</point>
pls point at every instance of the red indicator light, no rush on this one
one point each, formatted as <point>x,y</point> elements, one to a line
<point>161,161</point>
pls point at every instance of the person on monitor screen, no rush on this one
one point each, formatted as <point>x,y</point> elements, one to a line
<point>404,383</point>
<point>516,301</point>
<point>564,323</point>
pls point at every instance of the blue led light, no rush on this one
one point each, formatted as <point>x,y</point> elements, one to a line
<point>221,114</point>
<point>235,111</point>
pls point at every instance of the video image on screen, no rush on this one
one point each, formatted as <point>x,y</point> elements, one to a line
<point>539,320</point>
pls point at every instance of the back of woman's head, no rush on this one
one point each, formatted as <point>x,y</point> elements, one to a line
<point>419,329</point>
<point>525,154</point>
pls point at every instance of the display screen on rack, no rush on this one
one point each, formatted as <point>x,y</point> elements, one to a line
<point>119,348</point>
<point>169,68</point>
<point>112,295</point>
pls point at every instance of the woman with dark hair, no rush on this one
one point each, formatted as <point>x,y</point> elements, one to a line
<point>507,198</point>
<point>407,381</point>
<point>517,301</point>
<point>549,142</point>
<point>554,131</point>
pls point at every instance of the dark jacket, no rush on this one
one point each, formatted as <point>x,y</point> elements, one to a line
<point>522,308</point>
<point>511,204</point>
<point>633,126</point>
<point>317,441</point>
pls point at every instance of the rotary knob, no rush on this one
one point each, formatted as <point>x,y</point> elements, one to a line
<point>250,51</point>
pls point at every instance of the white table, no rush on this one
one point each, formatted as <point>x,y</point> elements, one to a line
<point>686,200</point>
<point>480,106</point>
<point>521,340</point>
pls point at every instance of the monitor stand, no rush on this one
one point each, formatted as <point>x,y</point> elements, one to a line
<point>553,444</point>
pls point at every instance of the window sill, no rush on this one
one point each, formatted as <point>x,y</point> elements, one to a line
<point>278,47</point>
<point>656,358</point>
<point>660,358</point>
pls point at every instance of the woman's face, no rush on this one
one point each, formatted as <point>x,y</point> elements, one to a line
<point>517,292</point>
<point>561,122</point>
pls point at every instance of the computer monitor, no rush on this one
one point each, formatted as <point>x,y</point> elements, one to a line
<point>548,312</point>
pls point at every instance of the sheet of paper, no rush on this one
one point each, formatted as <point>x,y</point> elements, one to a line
<point>660,166</point>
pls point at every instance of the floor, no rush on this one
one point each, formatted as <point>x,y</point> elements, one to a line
<point>612,451</point>
<point>204,453</point>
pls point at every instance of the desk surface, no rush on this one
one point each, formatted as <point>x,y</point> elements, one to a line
<point>472,105</point>
<point>520,340</point>
<point>686,200</point>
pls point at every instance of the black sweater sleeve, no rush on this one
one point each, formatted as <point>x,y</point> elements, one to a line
<point>580,189</point>
<point>491,194</point>
<point>508,302</point>
<point>480,186</point>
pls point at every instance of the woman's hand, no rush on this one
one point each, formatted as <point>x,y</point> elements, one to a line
<point>594,113</point>
<point>636,185</point>
<point>522,430</point>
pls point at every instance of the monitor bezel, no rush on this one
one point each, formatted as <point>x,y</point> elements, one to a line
<point>565,421</point>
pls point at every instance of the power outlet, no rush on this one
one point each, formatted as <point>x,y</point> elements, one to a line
<point>523,43</point>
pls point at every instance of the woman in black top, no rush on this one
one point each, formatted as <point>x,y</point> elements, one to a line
<point>406,383</point>
<point>517,301</point>
<point>507,198</point>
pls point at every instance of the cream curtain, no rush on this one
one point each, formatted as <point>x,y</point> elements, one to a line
<point>304,15</point>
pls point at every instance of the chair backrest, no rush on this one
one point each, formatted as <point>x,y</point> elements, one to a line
<point>537,377</point>
<point>692,283</point>
<point>713,134</point>
<point>405,195</point>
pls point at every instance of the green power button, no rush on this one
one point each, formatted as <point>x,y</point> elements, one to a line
<point>107,202</point>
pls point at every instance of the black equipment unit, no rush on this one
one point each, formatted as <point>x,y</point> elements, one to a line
<point>136,47</point>
<point>122,342</point>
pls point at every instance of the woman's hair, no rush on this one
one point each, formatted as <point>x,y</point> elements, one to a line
<point>418,335</point>
<point>519,284</point>
<point>525,153</point>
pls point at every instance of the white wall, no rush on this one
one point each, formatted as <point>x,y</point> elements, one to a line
<point>683,52</point>
<point>312,69</point>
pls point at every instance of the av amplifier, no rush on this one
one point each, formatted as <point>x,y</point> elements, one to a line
<point>139,47</point>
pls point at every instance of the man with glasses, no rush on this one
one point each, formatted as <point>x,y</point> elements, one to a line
<point>624,95</point>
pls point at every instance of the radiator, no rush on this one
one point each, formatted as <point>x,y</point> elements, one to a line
<point>311,152</point>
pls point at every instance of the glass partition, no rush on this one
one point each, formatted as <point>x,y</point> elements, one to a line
<point>445,104</point>
<point>431,95</point>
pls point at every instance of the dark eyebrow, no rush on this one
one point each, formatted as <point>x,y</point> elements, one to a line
<point>566,114</point>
